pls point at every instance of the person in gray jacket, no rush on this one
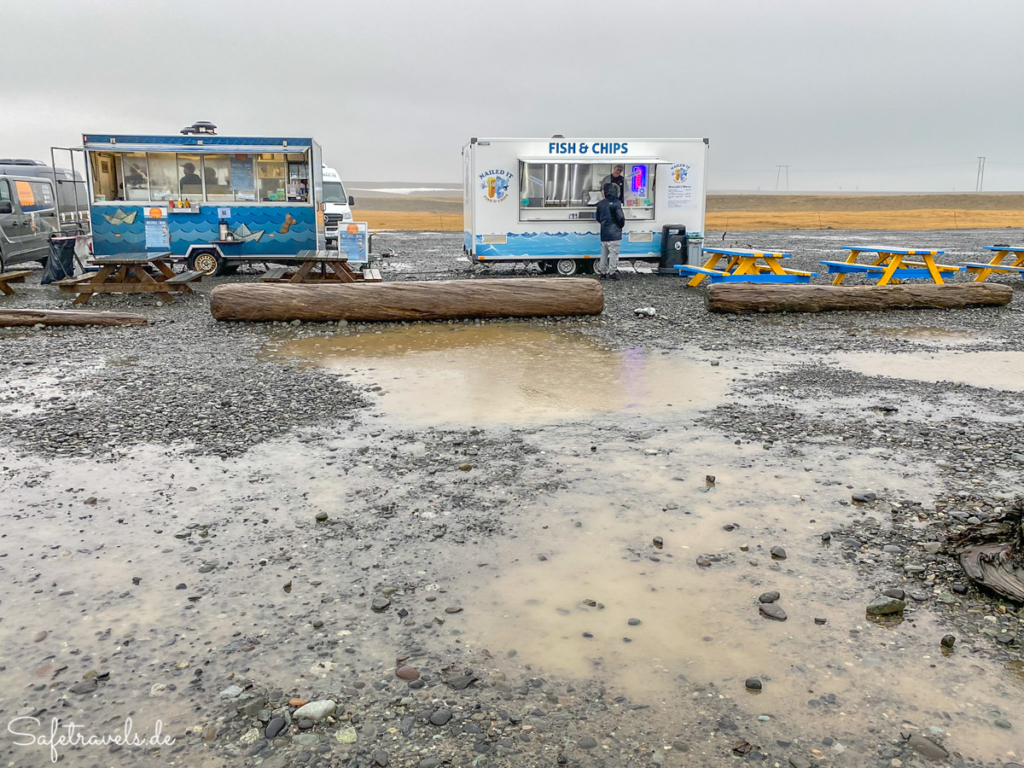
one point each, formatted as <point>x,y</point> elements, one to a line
<point>609,213</point>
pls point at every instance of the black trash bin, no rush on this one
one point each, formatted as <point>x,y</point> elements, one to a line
<point>61,262</point>
<point>673,248</point>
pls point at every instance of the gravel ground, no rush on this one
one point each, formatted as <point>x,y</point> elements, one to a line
<point>231,455</point>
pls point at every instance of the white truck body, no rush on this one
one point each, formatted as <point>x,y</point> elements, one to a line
<point>337,210</point>
<point>535,199</point>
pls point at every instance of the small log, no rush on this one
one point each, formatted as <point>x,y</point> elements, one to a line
<point>740,298</point>
<point>441,300</point>
<point>15,317</point>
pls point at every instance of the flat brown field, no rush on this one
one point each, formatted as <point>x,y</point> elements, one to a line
<point>753,212</point>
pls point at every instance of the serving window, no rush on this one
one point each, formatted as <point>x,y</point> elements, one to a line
<point>162,176</point>
<point>551,191</point>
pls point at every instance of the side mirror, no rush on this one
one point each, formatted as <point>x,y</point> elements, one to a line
<point>351,201</point>
<point>6,206</point>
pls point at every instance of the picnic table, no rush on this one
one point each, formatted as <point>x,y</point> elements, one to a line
<point>744,266</point>
<point>333,268</point>
<point>6,278</point>
<point>888,264</point>
<point>130,273</point>
<point>982,271</point>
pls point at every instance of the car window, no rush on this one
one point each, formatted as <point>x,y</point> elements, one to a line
<point>5,191</point>
<point>34,196</point>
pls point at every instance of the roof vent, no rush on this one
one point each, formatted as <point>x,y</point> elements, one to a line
<point>200,128</point>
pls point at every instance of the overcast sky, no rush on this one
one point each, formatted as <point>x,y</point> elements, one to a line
<point>870,95</point>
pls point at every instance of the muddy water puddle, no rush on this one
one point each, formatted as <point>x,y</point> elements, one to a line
<point>925,334</point>
<point>995,370</point>
<point>504,373</point>
<point>562,595</point>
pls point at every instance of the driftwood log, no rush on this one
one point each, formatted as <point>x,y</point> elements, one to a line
<point>740,298</point>
<point>992,552</point>
<point>16,317</point>
<point>441,300</point>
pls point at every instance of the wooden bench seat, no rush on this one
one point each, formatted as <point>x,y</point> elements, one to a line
<point>764,277</point>
<point>842,266</point>
<point>185,277</point>
<point>12,277</point>
<point>695,270</point>
<point>940,267</point>
<point>277,273</point>
<point>372,275</point>
<point>976,266</point>
<point>75,280</point>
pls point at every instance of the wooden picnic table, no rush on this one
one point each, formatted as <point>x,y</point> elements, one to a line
<point>333,268</point>
<point>6,278</point>
<point>130,273</point>
<point>744,265</point>
<point>1000,252</point>
<point>888,264</point>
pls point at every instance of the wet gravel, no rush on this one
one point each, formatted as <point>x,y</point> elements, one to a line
<point>233,438</point>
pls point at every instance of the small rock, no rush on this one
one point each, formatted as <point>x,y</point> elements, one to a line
<point>321,517</point>
<point>40,637</point>
<point>346,735</point>
<point>315,710</point>
<point>947,641</point>
<point>799,762</point>
<point>703,562</point>
<point>658,542</point>
<point>896,592</point>
<point>863,497</point>
<point>465,467</point>
<point>274,727</point>
<point>753,684</point>
<point>885,606</point>
<point>826,536</point>
<point>927,748</point>
<point>380,757</point>
<point>773,611</point>
<point>820,621</point>
<point>453,609</point>
<point>588,742</point>
<point>1004,724</point>
<point>769,597</point>
<point>778,553</point>
<point>380,604</point>
<point>231,692</point>
<point>461,682</point>
<point>441,717</point>
<point>634,622</point>
<point>85,686</point>
<point>407,673</point>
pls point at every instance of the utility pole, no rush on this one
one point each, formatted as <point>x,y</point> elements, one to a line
<point>979,184</point>
<point>778,176</point>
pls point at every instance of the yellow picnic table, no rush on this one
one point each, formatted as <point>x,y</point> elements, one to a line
<point>888,264</point>
<point>743,262</point>
<point>982,271</point>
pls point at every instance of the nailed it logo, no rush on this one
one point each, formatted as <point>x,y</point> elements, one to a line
<point>495,185</point>
<point>680,172</point>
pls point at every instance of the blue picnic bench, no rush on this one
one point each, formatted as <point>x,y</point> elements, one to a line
<point>889,264</point>
<point>982,271</point>
<point>718,276</point>
<point>743,265</point>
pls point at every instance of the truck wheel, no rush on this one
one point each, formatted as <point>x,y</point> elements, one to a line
<point>567,267</point>
<point>207,262</point>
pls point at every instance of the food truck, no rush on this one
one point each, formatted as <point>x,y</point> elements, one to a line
<point>534,200</point>
<point>215,201</point>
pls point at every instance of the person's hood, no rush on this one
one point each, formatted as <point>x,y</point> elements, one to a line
<point>611,190</point>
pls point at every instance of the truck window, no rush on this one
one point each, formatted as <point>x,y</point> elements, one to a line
<point>334,192</point>
<point>270,170</point>
<point>163,176</point>
<point>217,172</point>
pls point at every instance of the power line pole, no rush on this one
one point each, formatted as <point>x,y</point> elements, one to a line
<point>778,177</point>
<point>979,184</point>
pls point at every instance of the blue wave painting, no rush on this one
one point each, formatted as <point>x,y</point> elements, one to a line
<point>562,244</point>
<point>188,229</point>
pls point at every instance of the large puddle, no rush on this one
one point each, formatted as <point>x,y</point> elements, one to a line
<point>509,373</point>
<point>996,370</point>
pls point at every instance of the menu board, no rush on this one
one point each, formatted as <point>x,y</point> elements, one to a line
<point>241,173</point>
<point>352,240</point>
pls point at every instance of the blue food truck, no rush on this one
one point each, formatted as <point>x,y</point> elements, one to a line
<point>214,201</point>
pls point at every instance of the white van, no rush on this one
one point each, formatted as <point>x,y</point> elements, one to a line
<point>337,205</point>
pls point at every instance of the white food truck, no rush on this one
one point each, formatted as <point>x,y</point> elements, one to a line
<point>534,200</point>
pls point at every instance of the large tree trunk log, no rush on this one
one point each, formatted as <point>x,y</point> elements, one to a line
<point>440,300</point>
<point>739,298</point>
<point>13,317</point>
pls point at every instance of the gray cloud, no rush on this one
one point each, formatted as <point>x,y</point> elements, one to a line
<point>870,95</point>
